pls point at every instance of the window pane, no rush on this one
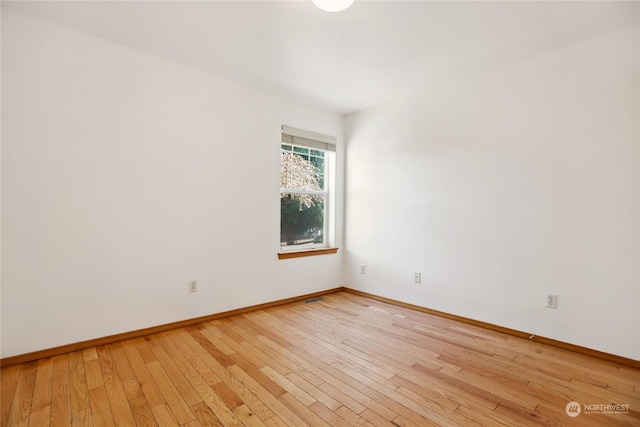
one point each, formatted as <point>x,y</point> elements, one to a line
<point>318,163</point>
<point>317,153</point>
<point>286,147</point>
<point>299,173</point>
<point>300,150</point>
<point>301,219</point>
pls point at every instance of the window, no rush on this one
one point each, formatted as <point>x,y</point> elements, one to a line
<point>307,165</point>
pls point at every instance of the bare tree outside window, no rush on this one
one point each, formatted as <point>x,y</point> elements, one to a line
<point>302,198</point>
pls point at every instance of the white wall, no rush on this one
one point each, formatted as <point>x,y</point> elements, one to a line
<point>124,176</point>
<point>520,180</point>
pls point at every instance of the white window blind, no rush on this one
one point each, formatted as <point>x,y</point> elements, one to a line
<point>295,136</point>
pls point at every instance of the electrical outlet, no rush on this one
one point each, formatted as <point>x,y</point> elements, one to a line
<point>551,300</point>
<point>193,286</point>
<point>416,277</point>
<point>363,269</point>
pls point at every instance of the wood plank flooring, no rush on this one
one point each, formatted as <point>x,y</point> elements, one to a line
<point>344,361</point>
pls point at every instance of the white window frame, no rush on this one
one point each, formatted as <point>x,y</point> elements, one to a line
<point>314,141</point>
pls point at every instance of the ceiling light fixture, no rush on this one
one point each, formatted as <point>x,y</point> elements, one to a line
<point>333,5</point>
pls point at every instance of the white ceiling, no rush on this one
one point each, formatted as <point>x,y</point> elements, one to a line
<point>346,61</point>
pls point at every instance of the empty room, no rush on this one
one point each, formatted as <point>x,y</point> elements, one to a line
<point>320,213</point>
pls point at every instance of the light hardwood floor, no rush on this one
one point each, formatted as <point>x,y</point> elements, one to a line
<point>347,360</point>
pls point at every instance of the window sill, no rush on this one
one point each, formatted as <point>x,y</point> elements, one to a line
<point>308,252</point>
